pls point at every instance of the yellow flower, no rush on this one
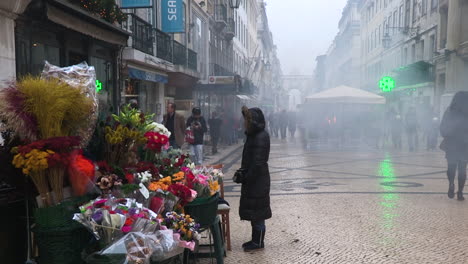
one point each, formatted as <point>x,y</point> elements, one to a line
<point>214,187</point>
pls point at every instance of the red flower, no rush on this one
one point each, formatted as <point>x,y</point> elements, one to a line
<point>130,178</point>
<point>181,191</point>
<point>104,167</point>
<point>129,221</point>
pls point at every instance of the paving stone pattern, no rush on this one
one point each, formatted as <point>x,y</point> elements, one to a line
<point>354,206</point>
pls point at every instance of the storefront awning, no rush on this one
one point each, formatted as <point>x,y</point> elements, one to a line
<point>73,17</point>
<point>146,76</point>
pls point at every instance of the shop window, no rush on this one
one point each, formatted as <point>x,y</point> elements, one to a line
<point>41,53</point>
<point>104,70</point>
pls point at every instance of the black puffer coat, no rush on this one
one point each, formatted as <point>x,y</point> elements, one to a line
<point>454,129</point>
<point>255,192</point>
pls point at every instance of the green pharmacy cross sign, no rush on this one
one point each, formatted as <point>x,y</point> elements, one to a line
<point>387,84</point>
<point>98,86</point>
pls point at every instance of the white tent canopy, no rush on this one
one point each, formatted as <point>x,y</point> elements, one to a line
<point>345,94</point>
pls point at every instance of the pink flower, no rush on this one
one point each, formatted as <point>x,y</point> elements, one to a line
<point>202,179</point>
<point>126,229</point>
<point>193,195</point>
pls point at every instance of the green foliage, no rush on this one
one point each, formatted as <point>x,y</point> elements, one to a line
<point>133,118</point>
<point>107,9</point>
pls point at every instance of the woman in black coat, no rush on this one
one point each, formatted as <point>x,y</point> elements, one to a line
<point>454,130</point>
<point>255,192</point>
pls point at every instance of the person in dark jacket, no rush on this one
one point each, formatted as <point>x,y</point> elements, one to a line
<point>454,130</point>
<point>255,191</point>
<point>215,130</point>
<point>412,129</point>
<point>283,123</point>
<point>292,124</point>
<point>198,125</point>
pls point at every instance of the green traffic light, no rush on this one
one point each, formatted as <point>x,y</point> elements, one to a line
<point>98,86</point>
<point>387,84</point>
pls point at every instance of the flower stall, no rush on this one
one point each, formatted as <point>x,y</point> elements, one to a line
<point>111,191</point>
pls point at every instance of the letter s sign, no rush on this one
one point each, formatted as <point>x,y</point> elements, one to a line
<point>172,16</point>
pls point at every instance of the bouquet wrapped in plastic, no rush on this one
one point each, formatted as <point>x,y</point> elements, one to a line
<point>82,77</point>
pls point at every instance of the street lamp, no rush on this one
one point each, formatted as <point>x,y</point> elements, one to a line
<point>234,3</point>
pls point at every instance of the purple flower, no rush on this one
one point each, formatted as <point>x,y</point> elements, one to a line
<point>97,216</point>
<point>132,211</point>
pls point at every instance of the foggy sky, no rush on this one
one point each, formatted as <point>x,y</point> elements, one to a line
<point>302,30</point>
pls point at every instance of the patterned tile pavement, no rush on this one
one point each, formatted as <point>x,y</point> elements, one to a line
<point>353,206</point>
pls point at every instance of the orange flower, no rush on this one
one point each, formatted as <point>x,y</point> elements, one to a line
<point>178,176</point>
<point>167,180</point>
<point>154,186</point>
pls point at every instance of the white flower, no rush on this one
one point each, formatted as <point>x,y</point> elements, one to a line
<point>160,128</point>
<point>191,166</point>
<point>144,176</point>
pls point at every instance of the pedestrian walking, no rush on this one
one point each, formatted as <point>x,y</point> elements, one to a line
<point>433,133</point>
<point>292,124</point>
<point>273,120</point>
<point>283,123</point>
<point>396,131</point>
<point>197,123</point>
<point>215,130</point>
<point>255,178</point>
<point>454,130</point>
<point>175,123</point>
<point>412,129</point>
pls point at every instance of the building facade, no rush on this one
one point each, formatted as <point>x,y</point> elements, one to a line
<point>452,51</point>
<point>158,67</point>
<point>398,39</point>
<point>343,57</point>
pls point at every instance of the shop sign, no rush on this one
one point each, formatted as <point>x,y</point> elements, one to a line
<point>221,80</point>
<point>172,16</point>
<point>136,3</point>
<point>146,76</point>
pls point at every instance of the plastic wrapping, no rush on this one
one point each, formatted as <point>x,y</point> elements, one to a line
<point>80,76</point>
<point>140,247</point>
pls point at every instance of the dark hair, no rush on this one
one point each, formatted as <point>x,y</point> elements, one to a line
<point>196,111</point>
<point>460,102</point>
<point>173,105</point>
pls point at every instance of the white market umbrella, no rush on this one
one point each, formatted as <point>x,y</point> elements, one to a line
<point>345,94</point>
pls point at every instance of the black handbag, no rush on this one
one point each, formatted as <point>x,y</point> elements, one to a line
<point>239,176</point>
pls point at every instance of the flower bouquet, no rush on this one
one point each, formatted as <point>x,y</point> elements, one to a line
<point>47,114</point>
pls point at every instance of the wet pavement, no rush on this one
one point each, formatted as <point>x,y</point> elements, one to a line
<point>353,206</point>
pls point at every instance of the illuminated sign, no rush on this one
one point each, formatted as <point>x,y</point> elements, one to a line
<point>98,86</point>
<point>387,84</point>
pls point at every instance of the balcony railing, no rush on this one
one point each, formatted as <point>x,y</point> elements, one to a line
<point>230,30</point>
<point>142,33</point>
<point>180,54</point>
<point>144,37</point>
<point>192,60</point>
<point>163,45</point>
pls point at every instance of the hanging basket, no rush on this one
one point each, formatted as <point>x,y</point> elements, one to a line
<point>203,210</point>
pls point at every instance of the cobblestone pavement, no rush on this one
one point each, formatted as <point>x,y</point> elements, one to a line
<point>353,206</point>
